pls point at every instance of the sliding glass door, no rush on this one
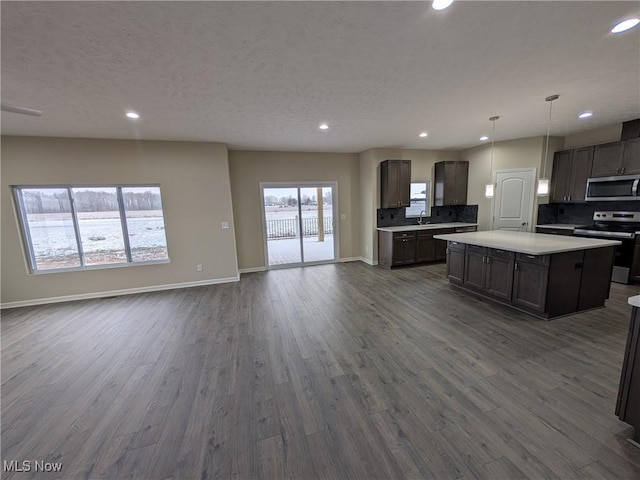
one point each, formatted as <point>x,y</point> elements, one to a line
<point>299,223</point>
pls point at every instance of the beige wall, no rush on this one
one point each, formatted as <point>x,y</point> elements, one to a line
<point>196,197</point>
<point>422,162</point>
<point>610,133</point>
<point>249,168</point>
<point>521,153</point>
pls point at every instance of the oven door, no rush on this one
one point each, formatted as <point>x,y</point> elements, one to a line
<point>623,254</point>
<point>613,188</point>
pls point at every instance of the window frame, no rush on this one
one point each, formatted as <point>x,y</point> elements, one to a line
<point>426,199</point>
<point>25,232</point>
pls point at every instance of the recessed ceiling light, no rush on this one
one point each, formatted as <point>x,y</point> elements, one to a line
<point>423,134</point>
<point>625,25</point>
<point>585,114</point>
<point>484,137</point>
<point>324,126</point>
<point>132,115</point>
<point>441,4</point>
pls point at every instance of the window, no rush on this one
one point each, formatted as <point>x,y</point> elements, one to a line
<point>69,227</point>
<point>419,199</point>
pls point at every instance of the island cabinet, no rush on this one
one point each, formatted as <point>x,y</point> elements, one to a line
<point>628,403</point>
<point>545,285</point>
<point>451,181</point>
<point>395,183</point>
<point>571,170</point>
<point>616,158</point>
<point>489,270</point>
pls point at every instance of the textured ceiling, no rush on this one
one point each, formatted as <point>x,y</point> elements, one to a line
<point>264,75</point>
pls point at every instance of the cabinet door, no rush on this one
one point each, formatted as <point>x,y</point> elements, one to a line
<point>425,247</point>
<point>389,173</point>
<point>409,250</point>
<point>475,268</point>
<point>499,282</point>
<point>461,182</point>
<point>582,165</point>
<point>607,159</point>
<point>404,248</point>
<point>404,182</point>
<point>530,286</point>
<point>449,183</point>
<point>631,164</point>
<point>561,176</point>
<point>455,262</point>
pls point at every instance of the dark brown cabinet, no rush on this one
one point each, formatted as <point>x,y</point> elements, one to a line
<point>451,181</point>
<point>571,169</point>
<point>631,157</point>
<point>531,274</point>
<point>489,270</point>
<point>425,247</point>
<point>628,404</point>
<point>455,262</point>
<point>404,248</point>
<point>413,246</point>
<point>616,158</point>
<point>395,183</point>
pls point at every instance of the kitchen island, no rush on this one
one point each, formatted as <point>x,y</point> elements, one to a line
<point>544,275</point>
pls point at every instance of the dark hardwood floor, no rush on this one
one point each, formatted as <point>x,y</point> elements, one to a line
<point>334,371</point>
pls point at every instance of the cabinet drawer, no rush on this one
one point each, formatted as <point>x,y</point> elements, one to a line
<point>555,231</point>
<point>476,249</point>
<point>403,235</point>
<point>496,252</point>
<point>455,246</point>
<point>538,259</point>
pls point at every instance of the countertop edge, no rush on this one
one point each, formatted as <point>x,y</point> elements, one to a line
<point>516,249</point>
<point>634,301</point>
<point>430,226</point>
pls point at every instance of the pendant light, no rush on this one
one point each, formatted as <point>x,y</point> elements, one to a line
<point>543,182</point>
<point>489,187</point>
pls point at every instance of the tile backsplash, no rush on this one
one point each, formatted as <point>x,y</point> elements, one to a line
<point>580,213</point>
<point>394,217</point>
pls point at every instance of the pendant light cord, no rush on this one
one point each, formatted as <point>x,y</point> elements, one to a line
<point>493,136</point>
<point>549,99</point>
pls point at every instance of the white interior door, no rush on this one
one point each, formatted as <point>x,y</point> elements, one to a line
<point>513,200</point>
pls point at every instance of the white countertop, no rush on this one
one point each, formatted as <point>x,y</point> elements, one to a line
<point>567,226</point>
<point>428,226</point>
<point>525,242</point>
<point>635,301</point>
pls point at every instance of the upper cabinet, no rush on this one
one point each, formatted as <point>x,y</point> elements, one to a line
<point>616,158</point>
<point>571,169</point>
<point>395,183</point>
<point>451,180</point>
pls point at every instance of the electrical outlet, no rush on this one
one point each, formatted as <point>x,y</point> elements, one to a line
<point>225,225</point>
<point>199,267</point>
<point>343,216</point>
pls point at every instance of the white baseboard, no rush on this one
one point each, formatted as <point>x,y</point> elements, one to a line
<point>112,293</point>
<point>368,262</point>
<point>350,259</point>
<point>252,270</point>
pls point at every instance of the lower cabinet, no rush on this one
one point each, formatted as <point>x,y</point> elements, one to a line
<point>489,270</point>
<point>531,274</point>
<point>412,247</point>
<point>404,249</point>
<point>455,262</point>
<point>545,285</point>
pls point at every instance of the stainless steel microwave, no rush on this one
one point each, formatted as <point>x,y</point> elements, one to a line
<point>624,187</point>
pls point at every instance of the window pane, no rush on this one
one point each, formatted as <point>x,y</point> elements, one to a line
<point>419,199</point>
<point>145,222</point>
<point>49,225</point>
<point>99,224</point>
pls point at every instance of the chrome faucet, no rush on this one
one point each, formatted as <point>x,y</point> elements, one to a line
<point>420,218</point>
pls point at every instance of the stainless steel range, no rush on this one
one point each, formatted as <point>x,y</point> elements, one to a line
<point>623,226</point>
